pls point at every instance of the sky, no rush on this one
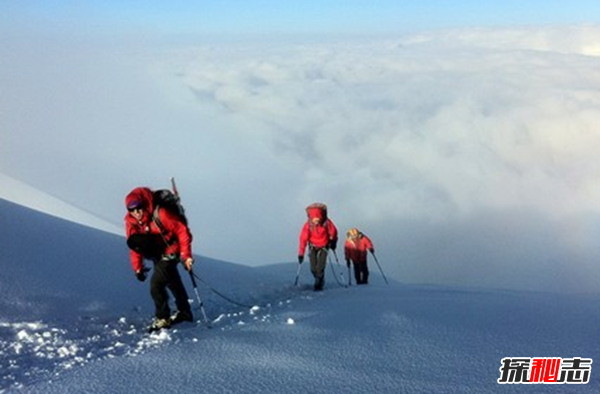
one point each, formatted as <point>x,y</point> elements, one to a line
<point>295,17</point>
<point>461,137</point>
<point>72,321</point>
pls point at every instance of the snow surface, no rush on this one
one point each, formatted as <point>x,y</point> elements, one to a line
<point>72,319</point>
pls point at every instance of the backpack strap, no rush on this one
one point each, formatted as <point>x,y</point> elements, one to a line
<point>159,224</point>
<point>156,219</point>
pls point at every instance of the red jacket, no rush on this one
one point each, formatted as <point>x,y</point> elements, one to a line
<point>317,235</point>
<point>174,230</point>
<point>356,249</point>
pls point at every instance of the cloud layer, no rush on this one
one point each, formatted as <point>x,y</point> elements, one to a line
<point>427,125</point>
<point>424,141</point>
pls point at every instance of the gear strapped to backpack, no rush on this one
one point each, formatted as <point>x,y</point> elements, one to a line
<point>317,210</point>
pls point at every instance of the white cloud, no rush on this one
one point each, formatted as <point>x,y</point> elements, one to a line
<point>431,131</point>
<point>470,118</point>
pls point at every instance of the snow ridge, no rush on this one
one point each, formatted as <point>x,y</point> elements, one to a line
<point>20,193</point>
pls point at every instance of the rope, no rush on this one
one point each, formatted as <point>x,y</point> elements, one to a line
<point>340,266</point>
<point>333,271</point>
<point>221,295</point>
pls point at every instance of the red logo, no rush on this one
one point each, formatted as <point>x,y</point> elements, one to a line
<point>545,370</point>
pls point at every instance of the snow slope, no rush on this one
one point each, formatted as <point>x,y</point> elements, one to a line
<point>23,194</point>
<point>72,320</point>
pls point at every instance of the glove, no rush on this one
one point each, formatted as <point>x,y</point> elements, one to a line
<point>372,251</point>
<point>300,259</point>
<point>348,263</point>
<point>141,275</point>
<point>332,244</point>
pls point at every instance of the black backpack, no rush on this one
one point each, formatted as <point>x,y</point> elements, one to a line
<point>166,199</point>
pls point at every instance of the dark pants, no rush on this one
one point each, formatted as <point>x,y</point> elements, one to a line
<point>361,272</point>
<point>318,262</point>
<point>165,277</point>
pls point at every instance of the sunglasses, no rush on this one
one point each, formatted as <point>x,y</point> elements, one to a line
<point>138,208</point>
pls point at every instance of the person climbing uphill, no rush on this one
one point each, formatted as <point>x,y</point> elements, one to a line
<point>320,234</point>
<point>157,234</point>
<point>355,251</point>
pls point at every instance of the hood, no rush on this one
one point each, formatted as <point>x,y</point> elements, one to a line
<point>142,195</point>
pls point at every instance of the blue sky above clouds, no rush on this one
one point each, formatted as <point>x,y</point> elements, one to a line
<point>276,17</point>
<point>460,136</point>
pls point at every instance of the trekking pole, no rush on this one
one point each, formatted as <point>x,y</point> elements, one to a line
<point>195,286</point>
<point>339,265</point>
<point>297,274</point>
<point>349,277</point>
<point>382,274</point>
<point>192,277</point>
